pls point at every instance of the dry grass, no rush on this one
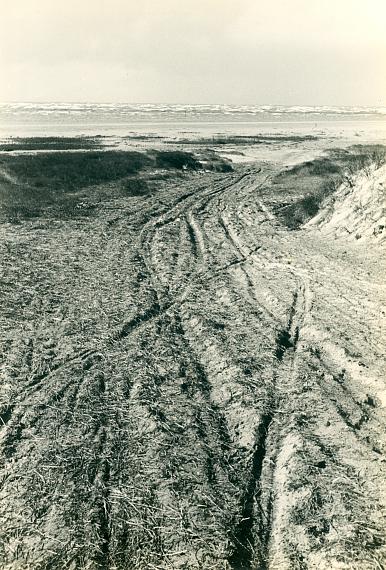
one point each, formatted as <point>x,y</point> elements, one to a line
<point>309,183</point>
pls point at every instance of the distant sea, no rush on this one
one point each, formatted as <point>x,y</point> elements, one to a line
<point>70,119</point>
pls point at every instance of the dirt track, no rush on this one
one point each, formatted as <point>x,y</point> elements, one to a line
<point>189,384</point>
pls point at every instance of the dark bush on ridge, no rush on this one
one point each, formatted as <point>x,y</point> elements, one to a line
<point>317,167</point>
<point>176,159</point>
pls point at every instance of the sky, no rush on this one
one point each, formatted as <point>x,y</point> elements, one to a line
<point>286,52</point>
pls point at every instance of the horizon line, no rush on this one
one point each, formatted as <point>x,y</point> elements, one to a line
<point>73,102</point>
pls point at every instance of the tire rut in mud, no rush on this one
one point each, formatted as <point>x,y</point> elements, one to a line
<point>252,535</point>
<point>253,522</point>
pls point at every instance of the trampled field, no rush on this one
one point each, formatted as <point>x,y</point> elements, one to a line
<point>193,362</point>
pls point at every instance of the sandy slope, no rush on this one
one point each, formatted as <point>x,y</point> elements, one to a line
<point>358,209</point>
<point>189,384</point>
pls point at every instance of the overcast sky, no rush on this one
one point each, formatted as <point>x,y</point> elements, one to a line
<point>194,51</point>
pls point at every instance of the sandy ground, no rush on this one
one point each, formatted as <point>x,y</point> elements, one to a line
<point>188,384</point>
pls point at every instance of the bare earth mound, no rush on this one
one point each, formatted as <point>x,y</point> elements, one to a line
<point>193,374</point>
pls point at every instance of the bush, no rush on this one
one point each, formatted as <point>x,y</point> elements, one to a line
<point>176,159</point>
<point>316,167</point>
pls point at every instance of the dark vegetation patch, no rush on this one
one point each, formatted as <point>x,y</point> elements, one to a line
<point>176,159</point>
<point>72,184</point>
<point>245,139</point>
<point>359,157</point>
<point>211,161</point>
<point>50,143</point>
<point>148,137</point>
<point>316,167</point>
<point>73,170</point>
<point>304,186</point>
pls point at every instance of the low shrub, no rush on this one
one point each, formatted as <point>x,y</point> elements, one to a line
<point>176,159</point>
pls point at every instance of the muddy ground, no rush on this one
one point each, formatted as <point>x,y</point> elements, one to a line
<point>193,376</point>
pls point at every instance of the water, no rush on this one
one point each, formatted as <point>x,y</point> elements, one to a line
<point>71,119</point>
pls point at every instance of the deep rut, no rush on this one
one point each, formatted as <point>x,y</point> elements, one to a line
<point>252,537</point>
<point>253,529</point>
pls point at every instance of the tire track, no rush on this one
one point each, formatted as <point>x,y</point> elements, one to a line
<point>251,524</point>
<point>196,237</point>
<point>253,533</point>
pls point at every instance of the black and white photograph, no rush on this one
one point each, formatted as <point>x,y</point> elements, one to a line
<point>192,285</point>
